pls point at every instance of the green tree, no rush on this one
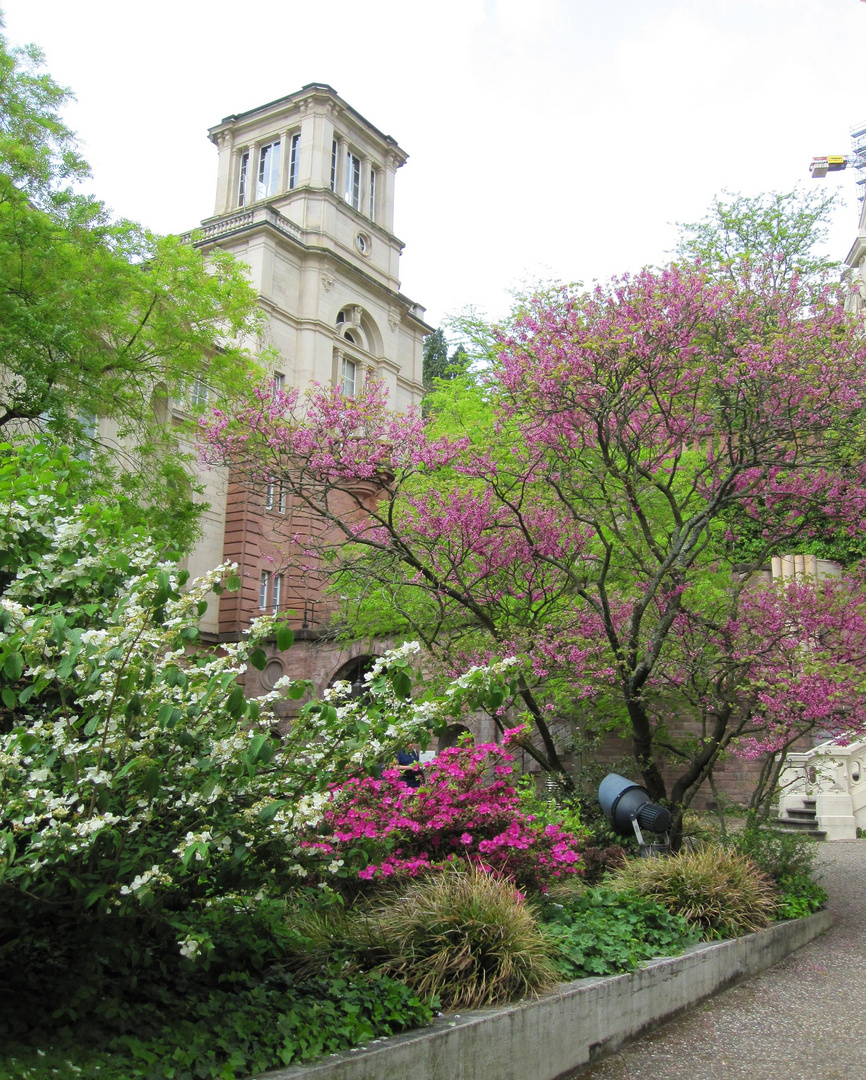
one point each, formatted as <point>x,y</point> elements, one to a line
<point>778,231</point>
<point>437,363</point>
<point>101,318</point>
<point>435,357</point>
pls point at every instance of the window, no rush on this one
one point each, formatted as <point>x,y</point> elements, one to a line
<point>263,589</point>
<point>199,393</point>
<point>372,194</point>
<point>278,490</point>
<point>242,180</point>
<point>348,381</point>
<point>353,181</point>
<point>87,433</point>
<point>269,171</point>
<point>293,161</point>
<point>277,589</point>
<point>278,380</point>
<point>334,166</point>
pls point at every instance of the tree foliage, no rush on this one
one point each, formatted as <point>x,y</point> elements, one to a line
<point>437,362</point>
<point>777,232</point>
<point>99,317</point>
<point>624,437</point>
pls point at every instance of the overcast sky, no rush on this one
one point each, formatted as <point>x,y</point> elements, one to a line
<point>546,138</point>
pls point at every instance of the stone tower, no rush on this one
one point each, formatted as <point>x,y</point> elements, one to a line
<point>305,197</point>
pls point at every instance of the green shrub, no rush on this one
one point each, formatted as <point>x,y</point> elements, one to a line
<point>467,937</point>
<point>246,1026</point>
<point>778,854</point>
<point>599,862</point>
<point>789,860</point>
<point>604,932</point>
<point>716,889</point>
<point>801,896</point>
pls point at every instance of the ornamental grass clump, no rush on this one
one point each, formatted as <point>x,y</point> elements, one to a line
<point>467,937</point>
<point>717,890</point>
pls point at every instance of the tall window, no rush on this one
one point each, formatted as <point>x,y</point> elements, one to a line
<point>198,394</point>
<point>353,181</point>
<point>334,166</point>
<point>372,194</point>
<point>278,380</point>
<point>277,590</point>
<point>275,495</point>
<point>264,581</point>
<point>269,171</point>
<point>349,372</point>
<point>242,180</point>
<point>293,161</point>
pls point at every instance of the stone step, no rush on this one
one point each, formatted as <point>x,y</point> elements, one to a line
<point>807,814</point>
<point>796,823</point>
<point>799,828</point>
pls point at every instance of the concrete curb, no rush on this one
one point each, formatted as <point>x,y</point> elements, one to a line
<point>557,1034</point>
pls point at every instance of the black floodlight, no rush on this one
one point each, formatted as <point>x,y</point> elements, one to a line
<point>628,807</point>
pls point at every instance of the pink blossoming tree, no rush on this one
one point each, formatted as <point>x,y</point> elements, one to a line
<point>578,503</point>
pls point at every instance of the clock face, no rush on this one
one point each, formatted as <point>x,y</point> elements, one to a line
<point>362,244</point>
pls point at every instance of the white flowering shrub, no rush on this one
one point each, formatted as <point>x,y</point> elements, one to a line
<point>148,817</point>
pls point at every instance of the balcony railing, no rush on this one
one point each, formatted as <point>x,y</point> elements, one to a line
<point>245,219</point>
<point>834,775</point>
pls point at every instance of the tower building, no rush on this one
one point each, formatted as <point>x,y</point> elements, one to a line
<point>305,197</point>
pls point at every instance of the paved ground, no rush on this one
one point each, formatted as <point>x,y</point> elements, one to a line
<point>804,1019</point>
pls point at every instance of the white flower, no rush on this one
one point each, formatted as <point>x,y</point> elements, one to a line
<point>189,947</point>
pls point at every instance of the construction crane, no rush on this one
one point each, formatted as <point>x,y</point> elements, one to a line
<point>832,163</point>
<point>820,166</point>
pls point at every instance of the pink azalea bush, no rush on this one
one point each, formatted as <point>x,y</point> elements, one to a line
<point>466,809</point>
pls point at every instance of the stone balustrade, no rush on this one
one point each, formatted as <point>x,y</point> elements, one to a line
<point>834,775</point>
<point>243,219</point>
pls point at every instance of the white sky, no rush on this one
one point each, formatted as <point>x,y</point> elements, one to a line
<point>547,138</point>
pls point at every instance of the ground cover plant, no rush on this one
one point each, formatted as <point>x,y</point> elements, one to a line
<point>603,932</point>
<point>199,1031</point>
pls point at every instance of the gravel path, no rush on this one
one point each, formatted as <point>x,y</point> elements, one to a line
<point>804,1019</point>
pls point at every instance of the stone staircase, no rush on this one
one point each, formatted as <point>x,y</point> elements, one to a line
<point>801,819</point>
<point>828,783</point>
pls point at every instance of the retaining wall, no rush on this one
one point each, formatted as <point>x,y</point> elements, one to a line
<point>555,1035</point>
